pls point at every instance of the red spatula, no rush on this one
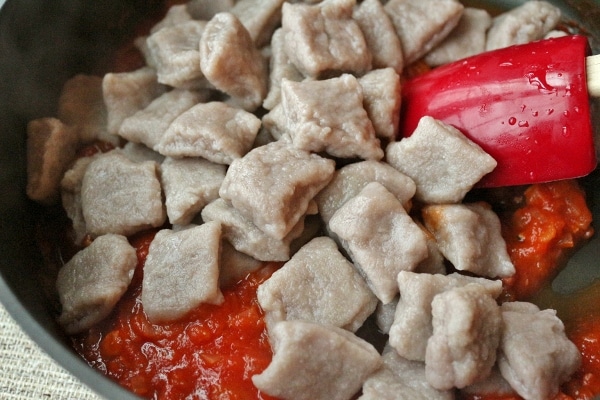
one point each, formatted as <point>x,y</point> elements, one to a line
<point>528,106</point>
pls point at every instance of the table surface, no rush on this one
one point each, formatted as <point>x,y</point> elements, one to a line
<point>27,373</point>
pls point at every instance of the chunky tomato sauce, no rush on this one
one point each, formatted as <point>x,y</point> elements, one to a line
<point>553,220</point>
<point>210,354</point>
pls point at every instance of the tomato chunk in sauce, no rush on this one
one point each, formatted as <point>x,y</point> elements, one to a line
<point>212,353</point>
<point>540,234</point>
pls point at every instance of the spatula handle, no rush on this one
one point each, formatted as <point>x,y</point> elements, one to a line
<point>592,68</point>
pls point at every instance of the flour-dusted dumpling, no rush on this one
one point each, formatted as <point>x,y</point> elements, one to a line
<point>263,136</point>
<point>442,161</point>
<point>148,126</point>
<point>275,123</point>
<point>380,35</point>
<point>93,281</point>
<point>121,196</point>
<point>412,325</point>
<point>467,39</point>
<point>328,116</point>
<point>141,44</point>
<point>467,325</point>
<point>401,379</point>
<point>215,131</point>
<point>81,105</point>
<point>435,261</point>
<point>280,67</point>
<point>51,147</point>
<point>125,93</point>
<point>235,265</point>
<point>317,271</point>
<point>384,315</point>
<point>380,237</point>
<point>535,356</point>
<point>189,185</point>
<point>349,180</point>
<point>382,100</point>
<point>312,228</point>
<point>494,384</point>
<point>470,237</point>
<point>323,39</point>
<point>422,24</point>
<point>260,17</point>
<point>70,192</point>
<point>174,50</point>
<point>316,362</point>
<point>232,63</point>
<point>273,185</point>
<point>138,152</point>
<point>247,237</point>
<point>176,15</point>
<point>530,21</point>
<point>181,272</point>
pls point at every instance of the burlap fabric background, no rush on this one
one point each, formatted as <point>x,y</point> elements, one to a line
<point>27,373</point>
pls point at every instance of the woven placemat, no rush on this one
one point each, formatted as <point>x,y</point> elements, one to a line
<point>27,373</point>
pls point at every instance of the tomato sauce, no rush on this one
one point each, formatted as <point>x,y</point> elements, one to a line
<point>210,354</point>
<point>541,234</point>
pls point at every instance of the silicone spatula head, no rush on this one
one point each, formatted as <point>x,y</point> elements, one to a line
<point>528,106</point>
